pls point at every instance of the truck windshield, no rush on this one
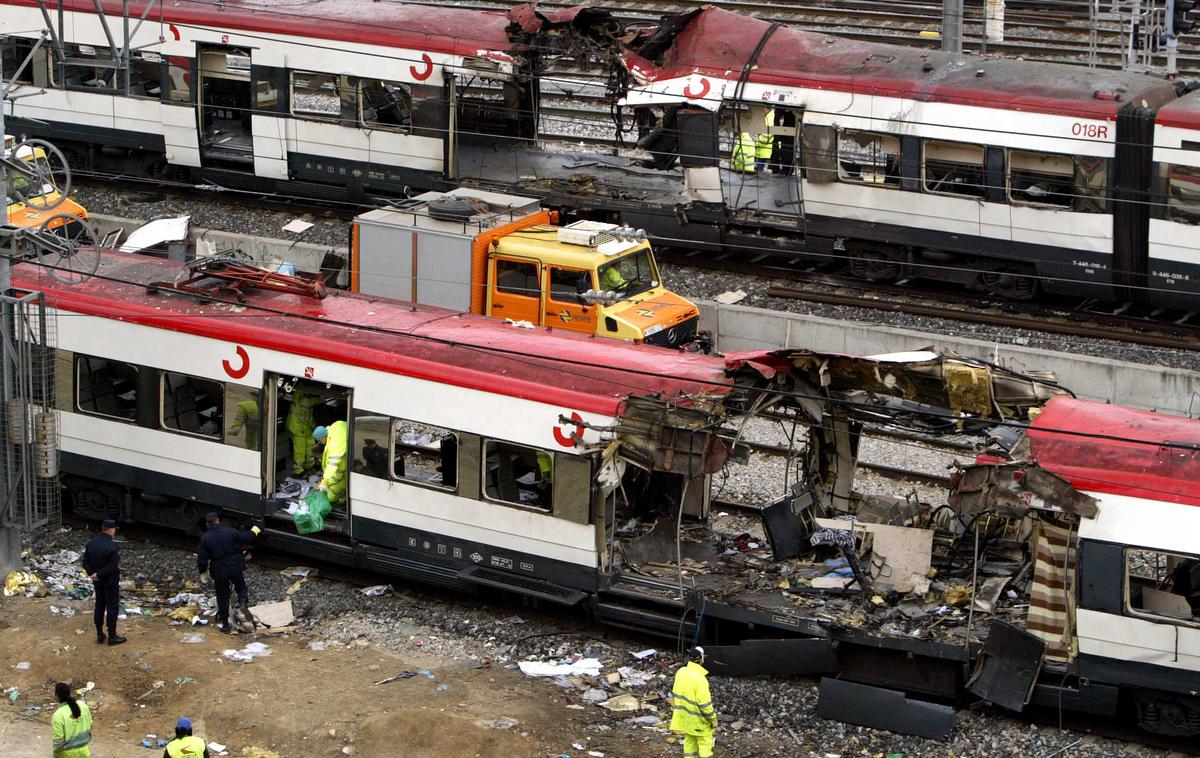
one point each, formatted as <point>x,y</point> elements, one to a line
<point>19,187</point>
<point>629,275</point>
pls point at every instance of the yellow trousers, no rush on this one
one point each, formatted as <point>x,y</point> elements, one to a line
<point>698,745</point>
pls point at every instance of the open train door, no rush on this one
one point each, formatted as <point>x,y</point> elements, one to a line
<point>292,461</point>
<point>224,104</point>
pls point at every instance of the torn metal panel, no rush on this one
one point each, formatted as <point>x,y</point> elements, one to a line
<point>1012,489</point>
<point>957,386</point>
<point>788,525</point>
<point>662,435</point>
<point>1008,666</point>
<point>883,709</point>
<point>796,657</point>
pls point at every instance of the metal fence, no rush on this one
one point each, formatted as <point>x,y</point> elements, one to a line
<point>29,432</point>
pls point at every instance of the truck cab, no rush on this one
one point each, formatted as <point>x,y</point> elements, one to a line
<point>31,194</point>
<point>505,257</point>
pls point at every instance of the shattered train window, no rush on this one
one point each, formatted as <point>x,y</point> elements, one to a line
<point>192,405</point>
<point>424,454</point>
<point>519,475</point>
<point>953,168</point>
<point>869,158</point>
<point>106,388</point>
<point>1166,585</point>
<point>1183,193</point>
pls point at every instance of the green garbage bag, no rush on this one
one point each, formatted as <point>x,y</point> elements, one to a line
<point>308,521</point>
<point>312,518</point>
<point>318,502</point>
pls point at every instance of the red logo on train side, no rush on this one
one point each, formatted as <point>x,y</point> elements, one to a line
<point>567,439</point>
<point>238,373</point>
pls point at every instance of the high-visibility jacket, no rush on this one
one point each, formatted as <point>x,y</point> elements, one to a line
<point>300,414</point>
<point>333,460</point>
<point>743,153</point>
<point>248,418</point>
<point>72,736</point>
<point>694,712</point>
<point>762,148</point>
<point>186,747</point>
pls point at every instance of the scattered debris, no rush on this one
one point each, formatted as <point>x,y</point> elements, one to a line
<point>273,614</point>
<point>583,666</point>
<point>502,723</point>
<point>193,638</point>
<point>22,666</point>
<point>376,590</point>
<point>401,675</point>
<point>729,298</point>
<point>623,702</point>
<point>642,655</point>
<point>249,652</point>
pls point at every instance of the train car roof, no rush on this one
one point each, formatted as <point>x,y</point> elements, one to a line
<point>415,27</point>
<point>1183,113</point>
<point>560,368</point>
<point>1121,451</point>
<point>721,42</point>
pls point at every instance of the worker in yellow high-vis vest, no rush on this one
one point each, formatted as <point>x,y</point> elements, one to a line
<point>71,724</point>
<point>764,144</point>
<point>694,715</point>
<point>744,153</point>
<point>336,438</point>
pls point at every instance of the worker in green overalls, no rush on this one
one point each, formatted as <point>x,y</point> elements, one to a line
<point>300,425</point>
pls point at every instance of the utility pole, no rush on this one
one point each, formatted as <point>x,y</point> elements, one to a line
<point>952,26</point>
<point>10,534</point>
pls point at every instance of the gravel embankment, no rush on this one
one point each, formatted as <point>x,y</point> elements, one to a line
<point>780,712</point>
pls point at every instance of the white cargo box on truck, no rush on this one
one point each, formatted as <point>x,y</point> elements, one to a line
<point>428,249</point>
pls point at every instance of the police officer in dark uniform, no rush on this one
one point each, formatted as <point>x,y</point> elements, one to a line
<point>100,562</point>
<point>220,554</point>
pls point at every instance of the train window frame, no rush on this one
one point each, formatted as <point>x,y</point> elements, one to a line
<point>890,179</point>
<point>394,439</point>
<point>156,61</point>
<point>235,396</point>
<point>978,190</point>
<point>1156,616</point>
<point>484,454</point>
<point>116,85</point>
<point>1172,210</point>
<point>362,105</point>
<point>80,360</point>
<point>219,434</point>
<point>294,103</point>
<point>1013,157</point>
<point>185,65</point>
<point>40,66</point>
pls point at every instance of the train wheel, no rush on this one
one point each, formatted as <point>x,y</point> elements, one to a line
<point>1009,285</point>
<point>875,266</point>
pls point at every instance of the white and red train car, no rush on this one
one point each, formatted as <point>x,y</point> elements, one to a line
<point>1003,174</point>
<point>1137,577</point>
<point>185,404</point>
<point>465,470</point>
<point>1006,176</point>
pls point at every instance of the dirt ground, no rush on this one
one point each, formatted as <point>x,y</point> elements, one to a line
<point>295,702</point>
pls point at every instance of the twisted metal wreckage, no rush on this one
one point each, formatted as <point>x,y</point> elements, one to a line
<point>849,567</point>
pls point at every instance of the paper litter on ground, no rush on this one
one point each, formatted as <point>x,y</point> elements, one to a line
<point>249,652</point>
<point>581,667</point>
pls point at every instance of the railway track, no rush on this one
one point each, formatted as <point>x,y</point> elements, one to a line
<point>1153,328</point>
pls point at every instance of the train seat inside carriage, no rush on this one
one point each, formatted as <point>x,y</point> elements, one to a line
<point>1164,584</point>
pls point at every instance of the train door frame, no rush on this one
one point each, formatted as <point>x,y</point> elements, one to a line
<point>274,385</point>
<point>222,154</point>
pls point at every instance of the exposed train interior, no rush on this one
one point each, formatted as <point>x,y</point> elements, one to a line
<point>225,102</point>
<point>291,457</point>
